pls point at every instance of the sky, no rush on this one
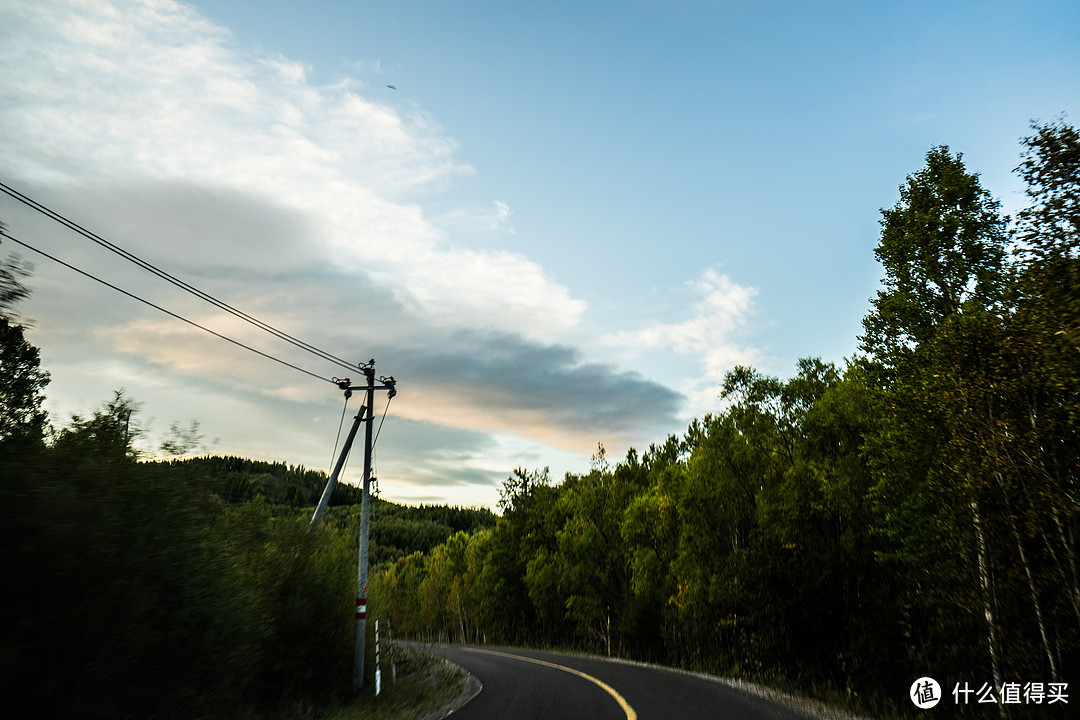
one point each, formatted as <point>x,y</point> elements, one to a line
<point>555,224</point>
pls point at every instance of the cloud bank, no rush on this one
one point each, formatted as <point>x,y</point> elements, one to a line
<point>299,203</point>
<point>147,91</point>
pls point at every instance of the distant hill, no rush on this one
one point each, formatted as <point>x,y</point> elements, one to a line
<point>396,530</point>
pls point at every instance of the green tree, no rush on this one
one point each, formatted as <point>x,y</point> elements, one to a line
<point>1039,444</point>
<point>12,288</point>
<point>23,422</point>
<point>1050,226</point>
<point>593,567</point>
<point>107,436</point>
<point>942,246</point>
<point>183,440</point>
<point>942,249</point>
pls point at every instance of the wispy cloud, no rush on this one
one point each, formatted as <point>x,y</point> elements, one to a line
<point>491,217</point>
<point>712,334</point>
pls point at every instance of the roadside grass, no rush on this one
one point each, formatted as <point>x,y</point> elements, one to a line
<point>425,684</point>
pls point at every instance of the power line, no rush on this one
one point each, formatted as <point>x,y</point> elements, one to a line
<point>170,313</point>
<point>149,267</point>
<point>341,423</point>
<point>381,421</point>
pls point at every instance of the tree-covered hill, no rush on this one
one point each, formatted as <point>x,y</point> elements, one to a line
<point>396,529</point>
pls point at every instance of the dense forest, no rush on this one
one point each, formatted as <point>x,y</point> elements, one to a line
<point>138,588</point>
<point>914,512</point>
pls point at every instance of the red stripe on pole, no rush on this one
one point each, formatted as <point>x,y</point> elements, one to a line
<point>361,608</point>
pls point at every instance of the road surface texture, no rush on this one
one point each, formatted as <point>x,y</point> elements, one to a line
<point>533,685</point>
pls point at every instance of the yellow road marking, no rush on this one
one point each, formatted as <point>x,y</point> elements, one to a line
<point>630,714</point>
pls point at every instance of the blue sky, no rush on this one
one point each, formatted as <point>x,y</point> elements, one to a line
<point>562,227</point>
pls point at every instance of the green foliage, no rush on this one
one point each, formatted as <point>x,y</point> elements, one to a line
<point>183,440</point>
<point>1050,167</point>
<point>23,422</point>
<point>106,437</point>
<point>942,246</point>
<point>148,589</point>
<point>240,480</point>
<point>132,591</point>
<point>849,529</point>
<point>396,530</point>
<point>12,288</point>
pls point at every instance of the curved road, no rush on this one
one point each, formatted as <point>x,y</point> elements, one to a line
<point>529,684</point>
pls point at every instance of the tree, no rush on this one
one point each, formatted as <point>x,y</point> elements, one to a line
<point>1048,287</point>
<point>105,437</point>
<point>183,440</point>
<point>12,288</point>
<point>22,382</point>
<point>942,246</point>
<point>518,488</point>
<point>593,568</point>
<point>1040,443</point>
<point>942,249</point>
<point>1050,165</point>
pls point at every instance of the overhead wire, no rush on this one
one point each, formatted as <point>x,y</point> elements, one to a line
<point>28,246</point>
<point>191,289</point>
<point>383,419</point>
<point>183,285</point>
<point>374,454</point>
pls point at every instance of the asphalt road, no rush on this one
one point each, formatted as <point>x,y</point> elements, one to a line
<point>533,685</point>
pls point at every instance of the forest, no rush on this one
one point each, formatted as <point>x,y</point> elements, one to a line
<point>843,532</point>
<point>173,588</point>
<point>840,533</point>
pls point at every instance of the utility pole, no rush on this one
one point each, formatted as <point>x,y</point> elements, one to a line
<point>366,415</point>
<point>365,527</point>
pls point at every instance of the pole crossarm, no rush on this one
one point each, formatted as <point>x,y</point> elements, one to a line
<point>390,382</point>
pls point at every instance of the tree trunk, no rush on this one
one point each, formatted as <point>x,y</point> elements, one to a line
<point>987,601</point>
<point>1034,599</point>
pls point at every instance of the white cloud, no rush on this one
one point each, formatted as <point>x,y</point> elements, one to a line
<point>502,217</point>
<point>123,91</point>
<point>289,70</point>
<point>711,335</point>
<point>466,283</point>
<point>489,217</point>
